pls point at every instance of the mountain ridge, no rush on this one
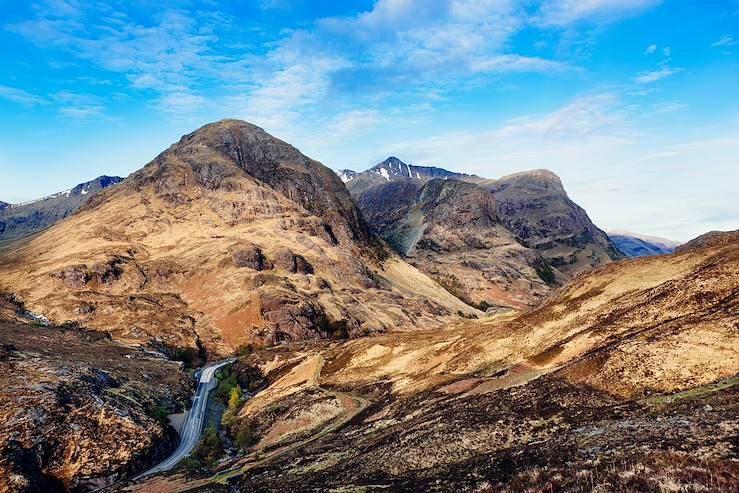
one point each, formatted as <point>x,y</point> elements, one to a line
<point>26,218</point>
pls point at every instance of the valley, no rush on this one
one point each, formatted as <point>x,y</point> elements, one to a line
<point>401,329</point>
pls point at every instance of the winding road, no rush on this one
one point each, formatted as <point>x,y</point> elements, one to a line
<point>193,425</point>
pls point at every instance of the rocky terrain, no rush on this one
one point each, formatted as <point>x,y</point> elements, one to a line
<point>78,411</point>
<point>625,380</point>
<point>636,245</point>
<point>19,220</point>
<point>229,237</point>
<point>450,230</point>
<point>540,238</point>
<point>534,205</point>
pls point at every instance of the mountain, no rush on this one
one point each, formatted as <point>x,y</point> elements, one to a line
<point>549,238</point>
<point>624,380</point>
<point>534,205</point>
<point>636,245</point>
<point>19,220</point>
<point>450,230</point>
<point>393,169</point>
<point>229,237</point>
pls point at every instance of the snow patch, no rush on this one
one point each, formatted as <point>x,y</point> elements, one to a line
<point>83,192</point>
<point>385,174</point>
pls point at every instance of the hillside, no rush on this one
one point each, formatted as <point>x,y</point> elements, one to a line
<point>19,220</point>
<point>626,380</point>
<point>79,411</point>
<point>541,236</point>
<point>450,230</point>
<point>636,245</point>
<point>229,237</point>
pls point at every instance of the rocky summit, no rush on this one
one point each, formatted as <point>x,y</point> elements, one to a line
<point>229,237</point>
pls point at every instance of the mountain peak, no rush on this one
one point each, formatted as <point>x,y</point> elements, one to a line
<point>543,179</point>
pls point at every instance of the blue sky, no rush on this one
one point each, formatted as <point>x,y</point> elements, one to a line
<point>632,102</point>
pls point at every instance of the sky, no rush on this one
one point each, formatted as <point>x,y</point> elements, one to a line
<point>633,103</point>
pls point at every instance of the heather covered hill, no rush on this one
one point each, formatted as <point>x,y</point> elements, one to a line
<point>230,236</point>
<point>627,376</point>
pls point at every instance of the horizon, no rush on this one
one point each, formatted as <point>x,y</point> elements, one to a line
<point>632,104</point>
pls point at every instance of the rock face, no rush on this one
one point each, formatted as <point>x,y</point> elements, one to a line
<point>627,376</point>
<point>549,238</point>
<point>535,207</point>
<point>635,245</point>
<point>19,220</point>
<point>79,411</point>
<point>229,236</point>
<point>450,230</point>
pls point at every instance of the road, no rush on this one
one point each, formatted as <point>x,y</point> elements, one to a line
<point>193,426</point>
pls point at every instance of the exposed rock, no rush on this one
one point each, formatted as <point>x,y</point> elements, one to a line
<point>287,260</point>
<point>252,257</point>
<point>536,208</point>
<point>78,410</point>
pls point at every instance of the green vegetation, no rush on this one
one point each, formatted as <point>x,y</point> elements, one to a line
<point>545,272</point>
<point>227,381</point>
<point>188,356</point>
<point>160,414</point>
<point>235,400</point>
<point>209,449</point>
<point>693,393</point>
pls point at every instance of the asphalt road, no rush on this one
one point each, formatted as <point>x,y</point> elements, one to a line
<point>193,425</point>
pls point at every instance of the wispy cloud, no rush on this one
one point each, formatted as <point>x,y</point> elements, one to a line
<point>650,49</point>
<point>655,75</point>
<point>20,96</point>
<point>727,40</point>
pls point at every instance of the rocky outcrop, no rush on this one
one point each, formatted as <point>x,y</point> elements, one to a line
<point>19,220</point>
<point>536,208</point>
<point>80,412</point>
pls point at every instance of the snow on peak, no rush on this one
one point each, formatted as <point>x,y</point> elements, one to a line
<point>385,174</point>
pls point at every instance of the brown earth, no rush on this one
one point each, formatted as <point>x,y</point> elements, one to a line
<point>625,380</point>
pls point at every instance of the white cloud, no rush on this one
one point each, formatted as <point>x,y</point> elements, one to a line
<point>727,40</point>
<point>655,75</point>
<point>20,96</point>
<point>650,49</point>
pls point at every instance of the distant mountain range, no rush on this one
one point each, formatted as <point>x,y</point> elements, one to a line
<point>19,220</point>
<point>636,245</point>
